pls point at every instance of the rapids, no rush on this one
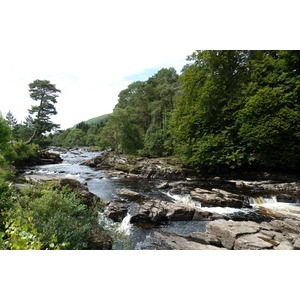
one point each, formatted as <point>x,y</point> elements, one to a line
<point>129,236</point>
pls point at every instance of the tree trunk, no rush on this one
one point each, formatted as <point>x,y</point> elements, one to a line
<point>31,138</point>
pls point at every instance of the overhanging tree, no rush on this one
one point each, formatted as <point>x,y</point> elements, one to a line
<point>45,93</point>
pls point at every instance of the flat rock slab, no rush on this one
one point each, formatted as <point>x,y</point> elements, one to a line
<point>171,241</point>
<point>228,231</point>
<point>217,197</point>
<point>254,242</point>
<point>277,234</point>
<point>128,194</point>
<point>39,179</point>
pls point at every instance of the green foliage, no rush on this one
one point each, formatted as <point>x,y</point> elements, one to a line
<point>98,120</point>
<point>6,202</point>
<point>239,108</point>
<point>45,93</point>
<point>59,213</point>
<point>46,216</point>
<point>141,117</point>
<point>20,232</point>
<point>270,119</point>
<point>81,135</point>
<point>12,121</point>
<point>22,154</point>
<point>5,135</point>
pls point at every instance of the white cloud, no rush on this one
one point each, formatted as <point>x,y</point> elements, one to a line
<point>88,48</point>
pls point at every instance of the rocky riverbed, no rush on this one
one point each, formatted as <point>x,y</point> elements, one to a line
<point>175,209</point>
<point>170,168</point>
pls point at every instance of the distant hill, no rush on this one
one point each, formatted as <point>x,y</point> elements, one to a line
<point>103,118</point>
<point>97,120</point>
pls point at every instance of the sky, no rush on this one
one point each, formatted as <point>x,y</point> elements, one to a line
<point>92,49</point>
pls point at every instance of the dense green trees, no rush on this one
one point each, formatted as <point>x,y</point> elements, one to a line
<point>269,121</point>
<point>228,109</point>
<point>82,135</point>
<point>239,108</point>
<point>140,121</point>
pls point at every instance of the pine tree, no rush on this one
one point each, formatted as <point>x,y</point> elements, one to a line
<point>45,93</point>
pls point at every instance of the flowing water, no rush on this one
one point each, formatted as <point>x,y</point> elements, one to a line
<point>264,207</point>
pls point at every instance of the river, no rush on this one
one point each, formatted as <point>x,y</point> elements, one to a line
<point>132,237</point>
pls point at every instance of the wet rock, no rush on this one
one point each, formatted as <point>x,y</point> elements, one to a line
<point>130,195</point>
<point>45,158</point>
<point>171,241</point>
<point>116,211</point>
<point>158,211</point>
<point>217,197</point>
<point>253,242</point>
<point>94,162</point>
<point>284,245</point>
<point>277,234</point>
<point>287,226</point>
<point>228,231</point>
<point>282,187</point>
<point>297,243</point>
<point>239,183</point>
<point>163,185</point>
<point>206,238</point>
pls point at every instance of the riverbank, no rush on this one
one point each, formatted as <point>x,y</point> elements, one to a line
<point>162,205</point>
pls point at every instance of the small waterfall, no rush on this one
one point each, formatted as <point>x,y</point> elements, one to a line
<point>185,199</point>
<point>274,208</point>
<point>125,225</point>
<point>122,228</point>
<point>262,200</point>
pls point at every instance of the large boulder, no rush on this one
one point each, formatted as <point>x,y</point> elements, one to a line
<point>277,234</point>
<point>129,195</point>
<point>217,197</point>
<point>228,231</point>
<point>158,211</point>
<point>116,211</point>
<point>47,158</point>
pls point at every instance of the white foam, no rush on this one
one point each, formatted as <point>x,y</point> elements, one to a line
<point>185,199</point>
<point>125,225</point>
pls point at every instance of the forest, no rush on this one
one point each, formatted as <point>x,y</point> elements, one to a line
<point>227,110</point>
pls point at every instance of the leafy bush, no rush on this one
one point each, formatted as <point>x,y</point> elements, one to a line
<point>20,232</point>
<point>59,212</point>
<point>22,154</point>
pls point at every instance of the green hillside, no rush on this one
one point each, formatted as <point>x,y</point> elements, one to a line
<point>103,118</point>
<point>96,120</point>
